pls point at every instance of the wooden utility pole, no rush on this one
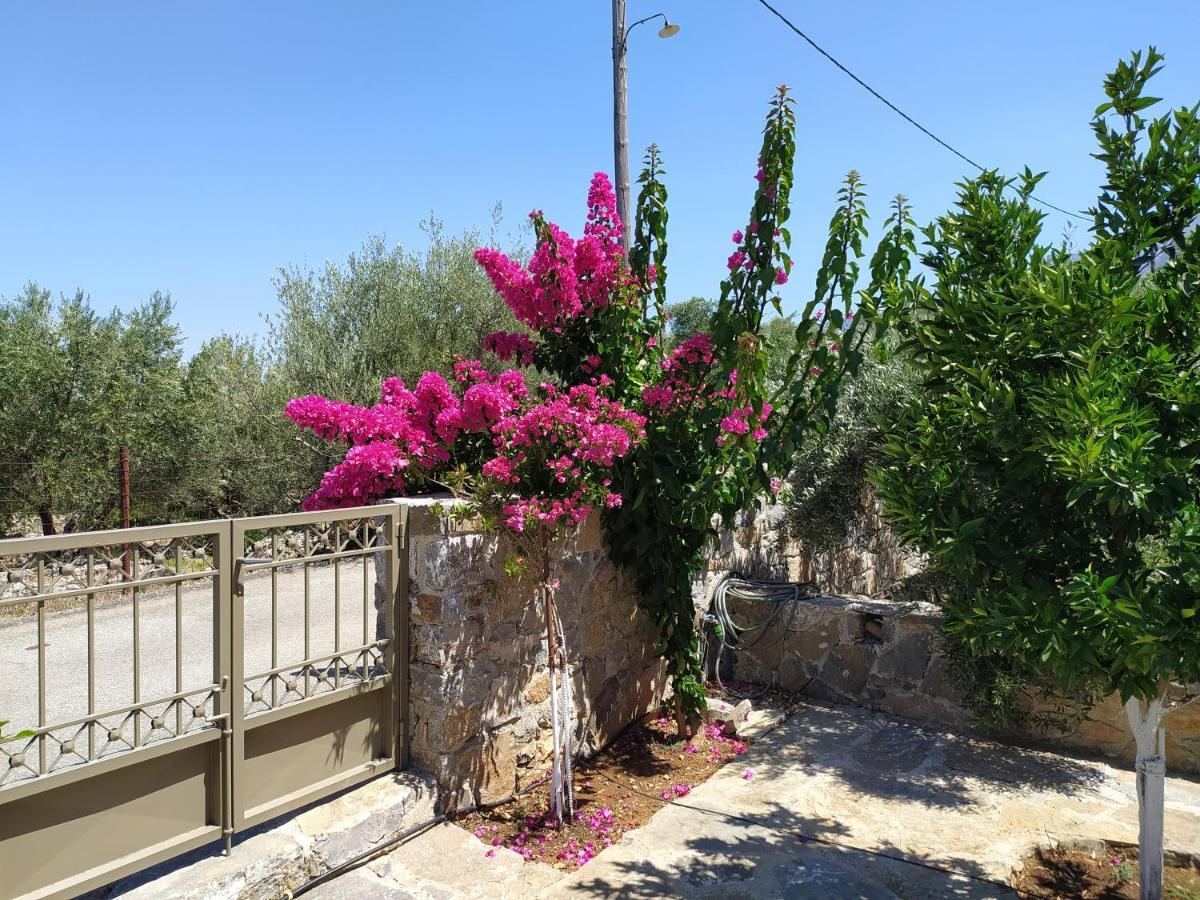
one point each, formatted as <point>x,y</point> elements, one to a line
<point>620,35</point>
<point>621,123</point>
<point>125,504</point>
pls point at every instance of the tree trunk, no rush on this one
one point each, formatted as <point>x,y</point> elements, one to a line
<point>47,518</point>
<point>560,771</point>
<point>1150,739</point>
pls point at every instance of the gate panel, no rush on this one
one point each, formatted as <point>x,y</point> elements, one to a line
<point>313,655</point>
<point>74,836</point>
<point>288,688</point>
<point>295,760</point>
<point>122,785</point>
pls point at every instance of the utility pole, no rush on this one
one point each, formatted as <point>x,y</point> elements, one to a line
<point>125,504</point>
<point>621,110</point>
<point>621,123</point>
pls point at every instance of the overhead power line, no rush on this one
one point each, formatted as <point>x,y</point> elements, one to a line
<point>898,111</point>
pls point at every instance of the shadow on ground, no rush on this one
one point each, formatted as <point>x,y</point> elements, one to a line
<point>781,854</point>
<point>876,757</point>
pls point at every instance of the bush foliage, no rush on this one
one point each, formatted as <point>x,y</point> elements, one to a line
<point>207,435</point>
<point>1053,460</point>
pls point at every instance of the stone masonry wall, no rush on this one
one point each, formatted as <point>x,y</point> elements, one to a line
<point>871,561</point>
<point>479,688</point>
<point>825,650</point>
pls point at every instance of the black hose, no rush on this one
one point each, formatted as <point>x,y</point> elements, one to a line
<point>354,861</point>
<point>731,635</point>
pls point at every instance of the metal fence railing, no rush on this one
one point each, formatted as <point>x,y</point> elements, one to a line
<point>169,686</point>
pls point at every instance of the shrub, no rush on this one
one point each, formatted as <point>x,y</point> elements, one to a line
<point>1054,462</point>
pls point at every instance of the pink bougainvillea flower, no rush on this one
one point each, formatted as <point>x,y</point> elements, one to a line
<point>510,346</point>
<point>748,774</point>
<point>565,278</point>
<point>737,237</point>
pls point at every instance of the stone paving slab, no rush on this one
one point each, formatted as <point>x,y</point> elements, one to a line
<point>843,803</point>
<point>447,863</point>
<point>878,791</point>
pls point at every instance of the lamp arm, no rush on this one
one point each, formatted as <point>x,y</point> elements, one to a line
<point>662,16</point>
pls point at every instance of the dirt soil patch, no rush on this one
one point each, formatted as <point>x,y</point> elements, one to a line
<point>1107,874</point>
<point>617,790</point>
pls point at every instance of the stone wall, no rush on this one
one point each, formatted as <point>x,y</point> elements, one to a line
<point>824,650</point>
<point>479,696</point>
<point>870,562</point>
<point>479,689</point>
<point>886,657</point>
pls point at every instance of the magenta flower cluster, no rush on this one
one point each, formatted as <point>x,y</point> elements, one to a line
<point>576,435</point>
<point>742,420</point>
<point>683,376</point>
<point>565,278</point>
<point>510,346</point>
<point>549,456</point>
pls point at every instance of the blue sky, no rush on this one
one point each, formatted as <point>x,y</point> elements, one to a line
<point>195,148</point>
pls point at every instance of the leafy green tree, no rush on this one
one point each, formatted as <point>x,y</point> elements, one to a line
<point>689,317</point>
<point>248,460</point>
<point>386,311</point>
<point>74,387</point>
<point>207,437</point>
<point>1053,462</point>
<point>830,471</point>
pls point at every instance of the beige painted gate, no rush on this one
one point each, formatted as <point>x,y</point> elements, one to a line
<point>189,681</point>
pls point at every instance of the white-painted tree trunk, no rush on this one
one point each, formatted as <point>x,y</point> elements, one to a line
<point>1150,739</point>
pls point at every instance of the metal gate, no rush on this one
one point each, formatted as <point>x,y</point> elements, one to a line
<point>266,664</point>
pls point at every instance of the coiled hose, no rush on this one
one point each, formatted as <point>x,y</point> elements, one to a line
<point>735,637</point>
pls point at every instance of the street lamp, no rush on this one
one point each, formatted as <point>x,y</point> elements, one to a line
<point>620,109</point>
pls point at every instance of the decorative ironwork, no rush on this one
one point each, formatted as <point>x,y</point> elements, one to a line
<point>218,727</point>
<point>104,734</point>
<point>283,549</point>
<point>75,572</point>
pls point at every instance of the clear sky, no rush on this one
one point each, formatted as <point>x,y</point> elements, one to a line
<point>195,148</point>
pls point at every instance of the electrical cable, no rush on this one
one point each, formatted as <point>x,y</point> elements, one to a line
<point>898,111</point>
<point>341,868</point>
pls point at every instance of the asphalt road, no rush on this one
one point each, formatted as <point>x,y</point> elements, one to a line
<point>67,641</point>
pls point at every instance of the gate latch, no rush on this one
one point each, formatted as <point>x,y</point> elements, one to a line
<point>239,571</point>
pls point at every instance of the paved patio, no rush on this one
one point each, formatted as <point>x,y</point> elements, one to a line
<point>842,803</point>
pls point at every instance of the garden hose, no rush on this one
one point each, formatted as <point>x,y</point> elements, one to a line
<point>735,637</point>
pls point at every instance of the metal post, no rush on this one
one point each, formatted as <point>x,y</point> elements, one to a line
<point>621,124</point>
<point>226,674</point>
<point>400,632</point>
<point>41,664</point>
<point>125,504</point>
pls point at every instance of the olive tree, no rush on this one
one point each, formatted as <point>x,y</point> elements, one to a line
<point>1053,461</point>
<point>75,385</point>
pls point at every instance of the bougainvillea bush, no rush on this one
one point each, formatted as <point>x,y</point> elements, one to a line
<point>719,435</point>
<point>667,442</point>
<point>535,460</point>
<point>539,456</point>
